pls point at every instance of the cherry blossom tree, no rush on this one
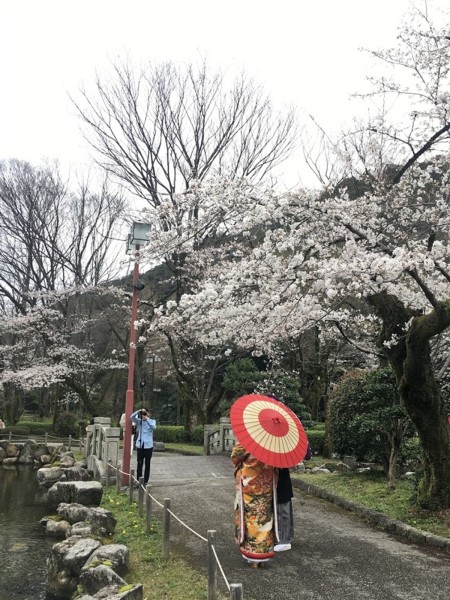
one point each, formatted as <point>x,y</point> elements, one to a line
<point>55,246</point>
<point>164,130</point>
<point>373,257</point>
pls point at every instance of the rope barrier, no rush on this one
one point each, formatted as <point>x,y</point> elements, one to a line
<point>187,526</point>
<point>184,525</point>
<point>152,497</point>
<point>220,568</point>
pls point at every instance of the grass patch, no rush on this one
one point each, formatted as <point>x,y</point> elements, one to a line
<point>370,490</point>
<point>188,449</point>
<point>162,580</point>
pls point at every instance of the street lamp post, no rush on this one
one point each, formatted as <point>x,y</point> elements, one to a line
<point>153,359</point>
<point>136,238</point>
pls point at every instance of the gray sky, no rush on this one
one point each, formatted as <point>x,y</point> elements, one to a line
<point>304,52</point>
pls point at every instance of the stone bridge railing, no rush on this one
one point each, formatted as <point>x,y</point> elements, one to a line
<point>102,446</point>
<point>218,437</point>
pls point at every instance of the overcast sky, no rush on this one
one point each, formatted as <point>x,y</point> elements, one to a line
<point>304,52</point>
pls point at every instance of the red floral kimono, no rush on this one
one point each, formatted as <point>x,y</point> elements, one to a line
<point>254,517</point>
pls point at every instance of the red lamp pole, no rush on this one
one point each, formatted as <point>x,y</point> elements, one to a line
<point>129,400</point>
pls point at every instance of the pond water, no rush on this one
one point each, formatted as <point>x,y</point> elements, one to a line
<point>24,547</point>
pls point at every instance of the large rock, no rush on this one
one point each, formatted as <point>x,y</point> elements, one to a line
<point>101,520</point>
<point>26,456</point>
<point>81,528</point>
<point>76,473</point>
<point>12,451</point>
<point>99,577</point>
<point>342,467</point>
<point>113,592</point>
<point>48,476</point>
<point>74,513</point>
<point>65,563</point>
<point>114,555</point>
<point>57,529</point>
<point>77,555</point>
<point>41,450</point>
<point>67,460</point>
<point>88,493</point>
<point>60,582</point>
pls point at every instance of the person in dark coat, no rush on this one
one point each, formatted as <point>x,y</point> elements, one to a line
<point>285,515</point>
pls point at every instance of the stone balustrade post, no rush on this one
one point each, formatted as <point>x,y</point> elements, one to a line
<point>110,445</point>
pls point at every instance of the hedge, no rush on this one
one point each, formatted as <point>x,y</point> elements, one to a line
<point>177,434</point>
<point>29,428</point>
<point>38,428</point>
<point>316,438</point>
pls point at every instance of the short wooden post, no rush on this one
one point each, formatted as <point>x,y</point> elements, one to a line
<point>119,468</point>
<point>236,592</point>
<point>10,436</point>
<point>70,442</point>
<point>141,497</point>
<point>108,464</point>
<point>81,444</point>
<point>131,485</point>
<point>46,438</point>
<point>148,507</point>
<point>212,566</point>
<point>166,529</point>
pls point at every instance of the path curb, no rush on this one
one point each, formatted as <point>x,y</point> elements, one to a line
<point>379,519</point>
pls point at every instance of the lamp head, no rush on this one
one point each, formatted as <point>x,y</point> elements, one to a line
<point>139,286</point>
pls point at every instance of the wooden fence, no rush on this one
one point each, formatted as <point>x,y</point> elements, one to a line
<point>145,508</point>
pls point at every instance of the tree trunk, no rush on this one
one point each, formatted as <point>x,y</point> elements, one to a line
<point>13,403</point>
<point>311,370</point>
<point>410,358</point>
<point>425,406</point>
<point>327,445</point>
<point>393,460</point>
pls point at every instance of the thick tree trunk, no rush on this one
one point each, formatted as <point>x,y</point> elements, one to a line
<point>13,403</point>
<point>425,406</point>
<point>410,359</point>
<point>311,370</point>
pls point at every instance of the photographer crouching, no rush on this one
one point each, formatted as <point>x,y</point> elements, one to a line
<point>144,441</point>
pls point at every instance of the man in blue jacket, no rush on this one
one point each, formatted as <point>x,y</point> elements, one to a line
<point>144,441</point>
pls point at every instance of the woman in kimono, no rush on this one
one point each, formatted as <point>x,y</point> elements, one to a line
<point>254,517</point>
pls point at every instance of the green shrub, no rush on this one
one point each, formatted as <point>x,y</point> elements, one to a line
<point>30,428</point>
<point>177,434</point>
<point>67,424</point>
<point>20,430</point>
<point>316,438</point>
<point>319,426</point>
<point>197,436</point>
<point>366,415</point>
<point>411,453</point>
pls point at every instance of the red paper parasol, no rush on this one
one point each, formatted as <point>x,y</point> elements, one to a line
<point>269,430</point>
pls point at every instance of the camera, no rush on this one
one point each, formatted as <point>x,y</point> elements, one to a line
<point>142,413</point>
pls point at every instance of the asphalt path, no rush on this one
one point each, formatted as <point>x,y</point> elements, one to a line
<point>335,555</point>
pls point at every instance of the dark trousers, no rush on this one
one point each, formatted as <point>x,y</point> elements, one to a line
<point>144,454</point>
<point>285,518</point>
